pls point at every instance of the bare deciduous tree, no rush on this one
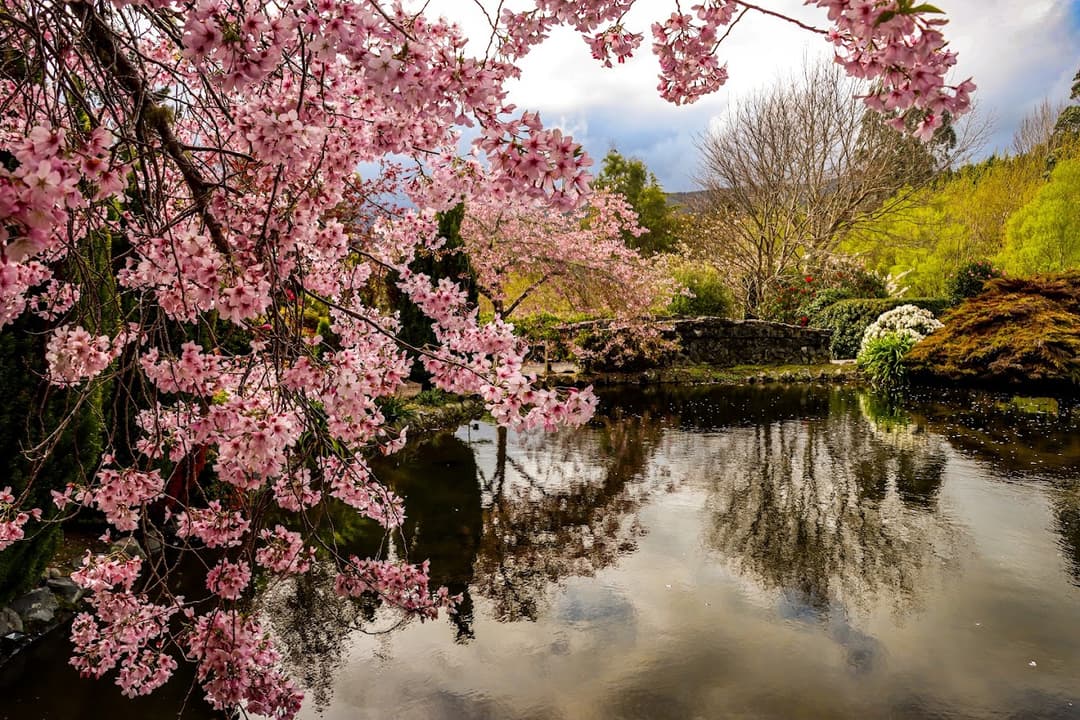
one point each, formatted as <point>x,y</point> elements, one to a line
<point>796,166</point>
<point>1036,130</point>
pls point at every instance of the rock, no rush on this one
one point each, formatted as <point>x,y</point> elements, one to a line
<point>128,546</point>
<point>11,642</point>
<point>53,572</point>
<point>10,621</point>
<point>66,589</point>
<point>37,607</point>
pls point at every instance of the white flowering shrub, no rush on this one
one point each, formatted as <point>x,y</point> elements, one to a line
<point>906,320</point>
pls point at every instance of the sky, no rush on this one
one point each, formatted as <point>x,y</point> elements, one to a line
<point>1019,53</point>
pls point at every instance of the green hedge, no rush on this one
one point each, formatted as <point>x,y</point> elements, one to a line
<point>848,319</point>
<point>33,412</point>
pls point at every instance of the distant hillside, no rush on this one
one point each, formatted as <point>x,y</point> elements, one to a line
<point>686,200</point>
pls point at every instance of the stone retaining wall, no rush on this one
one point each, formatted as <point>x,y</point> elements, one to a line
<point>725,343</point>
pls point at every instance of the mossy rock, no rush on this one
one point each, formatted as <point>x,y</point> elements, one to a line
<point>1017,333</point>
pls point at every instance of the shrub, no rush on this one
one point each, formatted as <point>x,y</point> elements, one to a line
<point>908,320</point>
<point>882,359</point>
<point>31,413</point>
<point>619,348</point>
<point>822,299</point>
<point>970,279</point>
<point>705,293</point>
<point>794,298</point>
<point>1018,332</point>
<point>848,319</point>
<point>785,296</point>
<point>434,397</point>
<point>395,409</point>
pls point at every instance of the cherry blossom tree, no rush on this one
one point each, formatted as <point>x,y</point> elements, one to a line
<point>208,146</point>
<point>578,255</point>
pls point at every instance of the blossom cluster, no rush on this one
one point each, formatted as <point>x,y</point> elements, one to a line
<point>905,52</point>
<point>686,46</point>
<point>53,178</point>
<point>907,320</point>
<point>238,665</point>
<point>13,520</point>
<point>401,584</point>
<point>74,355</point>
<point>125,631</point>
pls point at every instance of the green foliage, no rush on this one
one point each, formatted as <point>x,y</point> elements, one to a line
<point>434,397</point>
<point>708,293</point>
<point>1044,235</point>
<point>959,218</point>
<point>50,437</point>
<point>970,279</point>
<point>630,178</point>
<point>848,319</point>
<point>395,409</point>
<point>822,299</point>
<point>1018,332</point>
<point>794,299</point>
<point>882,359</point>
<point>539,326</point>
<point>909,160</point>
<point>31,412</point>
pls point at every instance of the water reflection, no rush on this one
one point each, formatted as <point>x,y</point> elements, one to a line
<point>561,507</point>
<point>444,523</point>
<point>1016,435</point>
<point>1019,438</point>
<point>752,552</point>
<point>828,508</point>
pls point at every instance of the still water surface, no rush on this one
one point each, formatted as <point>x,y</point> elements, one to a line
<point>717,553</point>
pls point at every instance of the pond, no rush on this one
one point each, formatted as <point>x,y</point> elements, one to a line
<point>749,552</point>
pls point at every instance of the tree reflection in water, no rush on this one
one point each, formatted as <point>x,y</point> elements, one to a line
<point>549,507</point>
<point>827,497</point>
<point>561,505</point>
<point>834,511</point>
<point>437,479</point>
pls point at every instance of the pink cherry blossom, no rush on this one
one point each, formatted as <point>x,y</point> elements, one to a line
<point>249,172</point>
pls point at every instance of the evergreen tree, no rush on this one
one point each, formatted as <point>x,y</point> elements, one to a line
<point>449,261</point>
<point>630,178</point>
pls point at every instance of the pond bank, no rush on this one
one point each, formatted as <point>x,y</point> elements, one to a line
<point>50,605</point>
<point>569,374</point>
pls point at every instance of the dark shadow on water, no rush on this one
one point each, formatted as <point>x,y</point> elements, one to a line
<point>39,684</point>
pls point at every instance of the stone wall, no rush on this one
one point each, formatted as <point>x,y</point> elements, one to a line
<point>723,342</point>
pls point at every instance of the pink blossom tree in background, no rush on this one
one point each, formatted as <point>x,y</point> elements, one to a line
<point>579,256</point>
<point>207,146</point>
